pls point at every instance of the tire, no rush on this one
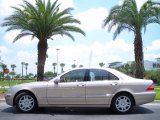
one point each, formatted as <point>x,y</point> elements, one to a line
<point>122,103</point>
<point>25,102</point>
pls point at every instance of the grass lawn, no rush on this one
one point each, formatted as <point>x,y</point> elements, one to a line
<point>5,83</point>
<point>157,89</point>
<point>3,90</point>
<point>14,82</point>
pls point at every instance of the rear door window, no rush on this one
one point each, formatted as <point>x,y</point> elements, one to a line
<point>100,74</point>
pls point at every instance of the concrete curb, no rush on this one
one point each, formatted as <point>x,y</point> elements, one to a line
<point>2,98</point>
<point>156,101</point>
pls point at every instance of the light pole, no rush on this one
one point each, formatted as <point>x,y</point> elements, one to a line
<point>57,60</point>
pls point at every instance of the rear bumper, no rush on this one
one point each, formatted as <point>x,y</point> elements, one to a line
<point>145,97</point>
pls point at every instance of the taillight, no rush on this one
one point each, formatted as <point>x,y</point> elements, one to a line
<point>151,87</point>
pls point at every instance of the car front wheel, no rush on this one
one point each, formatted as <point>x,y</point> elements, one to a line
<point>122,103</point>
<point>25,102</point>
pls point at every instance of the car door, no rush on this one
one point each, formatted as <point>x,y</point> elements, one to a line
<point>69,90</point>
<point>101,86</point>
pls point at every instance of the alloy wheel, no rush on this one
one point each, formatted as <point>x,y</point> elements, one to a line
<point>123,103</point>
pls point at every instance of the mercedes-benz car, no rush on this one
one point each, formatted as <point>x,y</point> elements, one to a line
<point>83,87</point>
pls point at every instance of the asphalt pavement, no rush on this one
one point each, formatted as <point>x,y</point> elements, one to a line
<point>145,112</point>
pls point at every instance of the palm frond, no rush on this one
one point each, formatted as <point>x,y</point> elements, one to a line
<point>21,35</point>
<point>42,20</point>
<point>68,34</point>
<point>127,16</point>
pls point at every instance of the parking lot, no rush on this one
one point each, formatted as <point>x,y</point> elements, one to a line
<point>144,112</point>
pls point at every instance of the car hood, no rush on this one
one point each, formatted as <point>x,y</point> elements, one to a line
<point>31,85</point>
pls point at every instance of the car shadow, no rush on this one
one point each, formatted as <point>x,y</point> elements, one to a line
<point>80,111</point>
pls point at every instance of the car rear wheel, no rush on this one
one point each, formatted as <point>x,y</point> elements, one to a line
<point>122,103</point>
<point>25,102</point>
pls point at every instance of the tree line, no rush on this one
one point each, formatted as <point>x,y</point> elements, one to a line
<point>24,65</point>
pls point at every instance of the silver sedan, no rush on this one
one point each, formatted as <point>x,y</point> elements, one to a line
<point>84,87</point>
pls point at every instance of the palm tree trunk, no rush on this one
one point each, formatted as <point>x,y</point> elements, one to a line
<point>12,72</point>
<point>42,49</point>
<point>22,70</point>
<point>26,71</point>
<point>61,69</point>
<point>54,69</point>
<point>138,51</point>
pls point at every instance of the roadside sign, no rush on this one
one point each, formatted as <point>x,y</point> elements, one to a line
<point>6,71</point>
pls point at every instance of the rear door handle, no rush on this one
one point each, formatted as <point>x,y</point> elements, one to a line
<point>114,83</point>
<point>80,85</point>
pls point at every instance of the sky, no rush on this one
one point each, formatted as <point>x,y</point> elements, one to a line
<point>97,46</point>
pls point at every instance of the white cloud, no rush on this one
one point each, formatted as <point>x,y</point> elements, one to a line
<point>87,55</point>
<point>25,56</point>
<point>27,40</point>
<point>155,46</point>
<point>5,6</point>
<point>151,52</point>
<point>92,54</point>
<point>4,50</point>
<point>24,41</point>
<point>151,56</point>
<point>66,3</point>
<point>140,3</point>
<point>92,19</point>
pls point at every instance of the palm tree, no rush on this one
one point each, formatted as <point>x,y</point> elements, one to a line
<point>22,67</point>
<point>101,64</point>
<point>128,17</point>
<point>80,66</point>
<point>26,65</point>
<point>73,66</point>
<point>4,67</point>
<point>54,66</point>
<point>42,20</point>
<point>62,65</point>
<point>13,66</point>
<point>30,75</point>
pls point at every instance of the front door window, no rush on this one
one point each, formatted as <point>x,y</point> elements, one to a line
<point>73,76</point>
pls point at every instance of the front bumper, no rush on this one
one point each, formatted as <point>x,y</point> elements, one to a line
<point>9,98</point>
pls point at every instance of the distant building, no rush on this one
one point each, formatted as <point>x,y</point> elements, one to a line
<point>148,65</point>
<point>116,64</point>
<point>152,65</point>
<point>0,64</point>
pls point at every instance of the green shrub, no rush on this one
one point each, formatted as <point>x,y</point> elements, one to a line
<point>153,75</point>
